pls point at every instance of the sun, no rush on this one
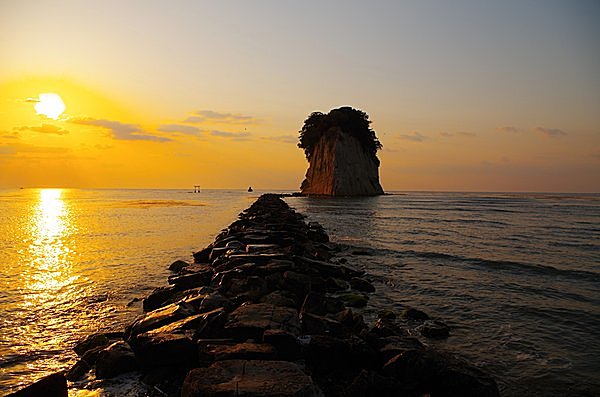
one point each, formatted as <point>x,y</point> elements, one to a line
<point>50,105</point>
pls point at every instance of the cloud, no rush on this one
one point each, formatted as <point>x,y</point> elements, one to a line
<point>508,128</point>
<point>201,116</point>
<point>25,148</point>
<point>550,132</point>
<point>44,129</point>
<point>120,131</point>
<point>282,138</point>
<point>181,129</point>
<point>413,136</point>
<point>34,100</point>
<point>235,136</point>
<point>9,135</point>
<point>460,133</point>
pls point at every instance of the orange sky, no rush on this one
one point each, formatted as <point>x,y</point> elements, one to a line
<point>501,97</point>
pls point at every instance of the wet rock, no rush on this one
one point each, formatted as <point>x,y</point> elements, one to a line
<point>203,255</point>
<point>434,329</point>
<point>412,369</point>
<point>336,284</point>
<point>157,298</point>
<point>325,269</point>
<point>164,349</point>
<point>287,345</point>
<point>250,321</point>
<point>395,345</point>
<point>54,385</point>
<point>114,360</point>
<point>320,325</point>
<point>414,314</point>
<point>456,379</point>
<point>327,354</point>
<point>78,370</point>
<point>361,285</point>
<point>279,298</point>
<point>249,378</point>
<point>240,351</point>
<point>90,342</point>
<point>321,305</point>
<point>252,248</point>
<point>386,315</point>
<point>354,300</point>
<point>159,317</point>
<point>191,280</point>
<point>383,328</point>
<point>178,265</point>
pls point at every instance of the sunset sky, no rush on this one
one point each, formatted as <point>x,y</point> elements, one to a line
<point>464,95</point>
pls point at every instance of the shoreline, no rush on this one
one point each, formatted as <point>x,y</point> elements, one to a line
<point>267,293</point>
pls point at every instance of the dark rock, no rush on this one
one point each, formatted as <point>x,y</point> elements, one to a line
<point>354,300</point>
<point>241,351</point>
<point>325,269</point>
<point>157,298</point>
<point>383,328</point>
<point>90,342</point>
<point>279,298</point>
<point>361,285</point>
<point>178,265</point>
<point>202,256</point>
<point>456,379</point>
<point>250,379</point>
<point>250,321</point>
<point>253,248</point>
<point>191,280</point>
<point>320,325</point>
<point>54,385</point>
<point>321,305</point>
<point>76,372</point>
<point>412,369</point>
<point>414,314</point>
<point>114,360</point>
<point>395,345</point>
<point>336,284</point>
<point>434,329</point>
<point>287,345</point>
<point>164,349</point>
<point>327,354</point>
<point>386,315</point>
<point>159,317</point>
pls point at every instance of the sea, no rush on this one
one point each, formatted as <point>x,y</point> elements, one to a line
<point>516,276</point>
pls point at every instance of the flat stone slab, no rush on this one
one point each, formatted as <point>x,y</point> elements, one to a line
<point>250,321</point>
<point>249,378</point>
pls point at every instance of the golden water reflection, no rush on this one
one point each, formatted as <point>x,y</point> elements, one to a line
<point>50,249</point>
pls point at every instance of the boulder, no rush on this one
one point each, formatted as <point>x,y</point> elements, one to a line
<point>240,351</point>
<point>114,360</point>
<point>252,378</point>
<point>157,298</point>
<point>178,266</point>
<point>361,285</point>
<point>159,317</point>
<point>250,321</point>
<point>414,314</point>
<point>434,329</point>
<point>54,385</point>
<point>165,349</point>
<point>354,300</point>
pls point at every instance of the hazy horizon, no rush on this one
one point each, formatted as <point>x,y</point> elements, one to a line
<point>464,96</point>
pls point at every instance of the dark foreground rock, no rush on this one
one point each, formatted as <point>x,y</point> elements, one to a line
<point>54,385</point>
<point>264,311</point>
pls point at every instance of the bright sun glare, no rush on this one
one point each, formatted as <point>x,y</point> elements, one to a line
<point>50,105</point>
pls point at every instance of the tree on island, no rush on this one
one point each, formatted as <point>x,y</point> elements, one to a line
<point>351,121</point>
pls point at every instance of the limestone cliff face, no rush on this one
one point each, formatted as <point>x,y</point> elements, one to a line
<point>339,166</point>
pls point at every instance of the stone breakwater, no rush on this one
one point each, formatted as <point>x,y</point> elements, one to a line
<point>266,310</point>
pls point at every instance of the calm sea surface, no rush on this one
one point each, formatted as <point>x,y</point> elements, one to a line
<point>516,276</point>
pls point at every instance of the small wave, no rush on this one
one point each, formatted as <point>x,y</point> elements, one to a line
<point>504,265</point>
<point>160,203</point>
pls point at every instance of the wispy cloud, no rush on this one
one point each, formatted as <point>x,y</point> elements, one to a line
<point>44,129</point>
<point>201,116</point>
<point>282,138</point>
<point>25,148</point>
<point>9,135</point>
<point>235,136</point>
<point>460,133</point>
<point>180,129</point>
<point>120,131</point>
<point>508,128</point>
<point>550,132</point>
<point>413,136</point>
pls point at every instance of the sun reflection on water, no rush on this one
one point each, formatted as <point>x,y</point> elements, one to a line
<point>49,250</point>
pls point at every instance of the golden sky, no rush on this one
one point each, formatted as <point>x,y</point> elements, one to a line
<point>501,96</point>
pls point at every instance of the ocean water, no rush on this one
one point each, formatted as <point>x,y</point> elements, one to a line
<point>516,276</point>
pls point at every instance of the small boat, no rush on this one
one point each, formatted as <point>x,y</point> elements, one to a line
<point>250,189</point>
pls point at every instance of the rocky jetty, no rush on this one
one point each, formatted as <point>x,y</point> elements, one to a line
<point>266,310</point>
